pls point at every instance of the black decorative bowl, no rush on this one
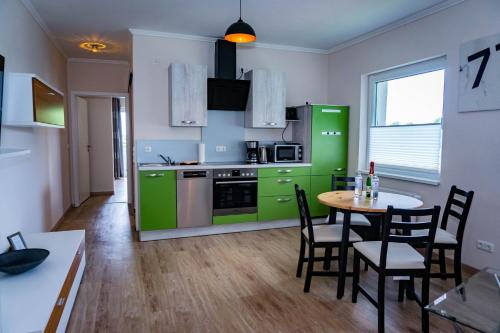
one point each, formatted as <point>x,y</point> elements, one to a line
<point>20,261</point>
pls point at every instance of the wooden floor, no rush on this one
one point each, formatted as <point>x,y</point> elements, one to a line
<point>243,282</point>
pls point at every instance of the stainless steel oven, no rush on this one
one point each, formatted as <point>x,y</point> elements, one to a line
<point>234,191</point>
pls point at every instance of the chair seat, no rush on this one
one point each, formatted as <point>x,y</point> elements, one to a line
<point>356,219</point>
<point>399,255</point>
<point>444,237</point>
<point>330,233</point>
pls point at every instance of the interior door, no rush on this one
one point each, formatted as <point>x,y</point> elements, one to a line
<point>83,150</point>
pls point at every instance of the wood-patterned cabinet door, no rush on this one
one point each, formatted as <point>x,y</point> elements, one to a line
<point>188,95</point>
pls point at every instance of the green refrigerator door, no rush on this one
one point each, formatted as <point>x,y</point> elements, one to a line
<point>158,200</point>
<point>330,126</point>
<point>319,184</point>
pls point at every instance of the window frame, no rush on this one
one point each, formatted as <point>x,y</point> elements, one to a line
<point>412,69</point>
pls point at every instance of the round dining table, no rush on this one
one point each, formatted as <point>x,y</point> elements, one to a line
<point>347,203</point>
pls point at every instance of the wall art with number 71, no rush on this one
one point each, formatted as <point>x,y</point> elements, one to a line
<point>479,76</point>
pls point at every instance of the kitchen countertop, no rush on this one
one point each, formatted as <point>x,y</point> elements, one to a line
<point>221,165</point>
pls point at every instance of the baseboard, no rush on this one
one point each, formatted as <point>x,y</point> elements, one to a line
<point>58,223</point>
<point>96,194</point>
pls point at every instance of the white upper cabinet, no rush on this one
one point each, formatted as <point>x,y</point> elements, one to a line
<point>266,107</point>
<point>188,95</point>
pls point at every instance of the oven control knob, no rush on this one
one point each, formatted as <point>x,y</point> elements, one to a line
<point>218,175</point>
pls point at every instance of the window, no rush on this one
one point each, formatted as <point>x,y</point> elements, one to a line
<point>406,108</point>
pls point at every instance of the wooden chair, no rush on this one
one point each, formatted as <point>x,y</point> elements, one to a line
<point>458,209</point>
<point>325,236</point>
<point>396,256</point>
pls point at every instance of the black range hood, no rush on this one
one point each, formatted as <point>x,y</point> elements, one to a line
<point>224,92</point>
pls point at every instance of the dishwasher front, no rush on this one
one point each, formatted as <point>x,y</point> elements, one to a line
<point>194,198</point>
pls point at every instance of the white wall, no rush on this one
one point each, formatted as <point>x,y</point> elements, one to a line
<point>471,141</point>
<point>306,80</point>
<point>34,190</point>
<point>101,144</point>
<point>97,76</point>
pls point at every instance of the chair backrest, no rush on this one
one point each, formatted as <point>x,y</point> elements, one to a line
<point>342,183</point>
<point>457,208</point>
<point>426,218</point>
<point>305,215</point>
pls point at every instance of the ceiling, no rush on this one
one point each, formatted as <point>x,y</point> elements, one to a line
<point>315,24</point>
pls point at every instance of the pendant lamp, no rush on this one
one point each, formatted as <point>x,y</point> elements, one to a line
<point>240,32</point>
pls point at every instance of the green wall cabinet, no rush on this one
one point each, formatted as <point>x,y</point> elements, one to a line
<point>158,200</point>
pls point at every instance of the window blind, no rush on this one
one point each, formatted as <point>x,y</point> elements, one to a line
<point>412,150</point>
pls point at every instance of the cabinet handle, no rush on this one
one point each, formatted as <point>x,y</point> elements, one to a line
<point>284,171</point>
<point>271,124</point>
<point>331,133</point>
<point>61,301</point>
<point>331,111</point>
<point>283,181</point>
<point>339,169</point>
<point>153,175</point>
<point>188,122</point>
<point>283,199</point>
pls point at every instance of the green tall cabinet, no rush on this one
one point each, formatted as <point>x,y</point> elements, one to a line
<point>328,135</point>
<point>158,200</point>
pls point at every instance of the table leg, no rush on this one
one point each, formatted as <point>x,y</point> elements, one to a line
<point>344,248</point>
<point>328,250</point>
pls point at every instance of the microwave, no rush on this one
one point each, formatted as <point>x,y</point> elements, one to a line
<point>286,153</point>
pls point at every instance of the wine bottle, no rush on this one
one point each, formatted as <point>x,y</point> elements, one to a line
<point>369,180</point>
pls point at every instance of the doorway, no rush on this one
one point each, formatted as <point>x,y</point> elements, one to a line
<point>100,147</point>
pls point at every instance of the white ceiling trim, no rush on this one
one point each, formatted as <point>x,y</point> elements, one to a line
<point>38,19</point>
<point>150,33</point>
<point>99,61</point>
<point>407,20</point>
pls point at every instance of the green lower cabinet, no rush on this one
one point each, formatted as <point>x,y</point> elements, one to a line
<point>277,208</point>
<point>230,219</point>
<point>158,200</point>
<point>282,185</point>
<point>284,171</point>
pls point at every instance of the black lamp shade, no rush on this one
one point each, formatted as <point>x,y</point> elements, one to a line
<point>240,32</point>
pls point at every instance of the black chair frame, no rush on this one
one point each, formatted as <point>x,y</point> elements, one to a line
<point>383,272</point>
<point>451,210</point>
<point>306,222</point>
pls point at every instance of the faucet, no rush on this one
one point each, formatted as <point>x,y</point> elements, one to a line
<point>167,159</point>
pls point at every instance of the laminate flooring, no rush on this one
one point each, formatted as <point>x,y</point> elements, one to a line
<point>241,282</point>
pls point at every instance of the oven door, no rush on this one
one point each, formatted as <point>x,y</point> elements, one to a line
<point>235,196</point>
<point>286,153</point>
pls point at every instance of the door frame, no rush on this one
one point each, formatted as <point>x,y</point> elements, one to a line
<point>73,141</point>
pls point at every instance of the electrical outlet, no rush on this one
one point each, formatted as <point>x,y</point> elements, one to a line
<point>220,149</point>
<point>148,149</point>
<point>485,246</point>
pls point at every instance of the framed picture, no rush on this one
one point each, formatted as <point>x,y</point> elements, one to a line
<point>479,75</point>
<point>17,241</point>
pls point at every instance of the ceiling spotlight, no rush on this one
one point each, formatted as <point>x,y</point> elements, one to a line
<point>93,47</point>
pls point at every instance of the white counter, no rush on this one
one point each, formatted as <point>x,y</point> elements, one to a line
<point>224,166</point>
<point>28,299</point>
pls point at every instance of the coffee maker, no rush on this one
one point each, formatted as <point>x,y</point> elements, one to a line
<point>252,151</point>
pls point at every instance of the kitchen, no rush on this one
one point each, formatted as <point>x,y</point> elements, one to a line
<point>225,183</point>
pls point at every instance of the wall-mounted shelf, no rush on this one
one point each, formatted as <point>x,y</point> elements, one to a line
<point>32,102</point>
<point>11,152</point>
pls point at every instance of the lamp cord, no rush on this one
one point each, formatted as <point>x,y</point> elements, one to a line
<point>240,9</point>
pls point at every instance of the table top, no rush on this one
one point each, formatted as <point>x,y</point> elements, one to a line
<point>475,303</point>
<point>346,200</point>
